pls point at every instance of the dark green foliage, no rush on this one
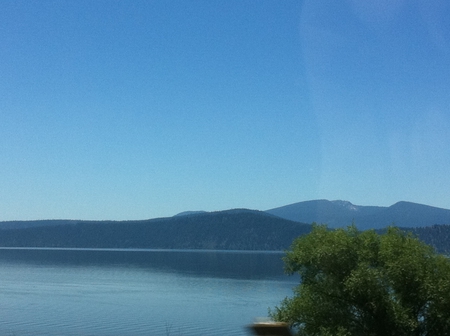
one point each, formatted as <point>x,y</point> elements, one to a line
<point>363,283</point>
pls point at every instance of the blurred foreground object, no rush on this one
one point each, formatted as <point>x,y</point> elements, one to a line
<point>270,329</point>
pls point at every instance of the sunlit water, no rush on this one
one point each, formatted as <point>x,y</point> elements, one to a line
<point>82,292</point>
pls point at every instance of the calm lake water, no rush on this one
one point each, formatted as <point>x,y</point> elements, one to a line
<point>117,292</point>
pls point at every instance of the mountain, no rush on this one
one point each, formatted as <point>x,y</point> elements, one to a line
<point>237,229</point>
<point>342,213</point>
<point>34,223</point>
<point>437,236</point>
<point>189,213</point>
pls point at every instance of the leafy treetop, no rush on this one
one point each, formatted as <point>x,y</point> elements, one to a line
<point>364,283</point>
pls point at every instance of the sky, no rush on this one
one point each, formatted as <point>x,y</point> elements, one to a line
<point>121,110</point>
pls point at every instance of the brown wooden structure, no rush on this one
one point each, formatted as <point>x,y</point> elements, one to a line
<point>270,329</point>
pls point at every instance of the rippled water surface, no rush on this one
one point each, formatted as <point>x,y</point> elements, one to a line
<point>86,292</point>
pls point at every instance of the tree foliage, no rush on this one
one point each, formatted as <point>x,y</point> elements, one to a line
<point>364,283</point>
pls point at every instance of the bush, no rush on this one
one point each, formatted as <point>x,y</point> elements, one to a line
<point>363,283</point>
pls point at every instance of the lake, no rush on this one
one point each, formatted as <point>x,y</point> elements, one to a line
<point>137,292</point>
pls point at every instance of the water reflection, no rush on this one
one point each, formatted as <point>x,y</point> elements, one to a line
<point>137,292</point>
<point>222,264</point>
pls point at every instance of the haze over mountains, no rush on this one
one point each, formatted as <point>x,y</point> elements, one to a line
<point>342,213</point>
<point>236,229</point>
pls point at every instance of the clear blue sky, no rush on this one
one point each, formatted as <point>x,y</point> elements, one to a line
<point>142,109</point>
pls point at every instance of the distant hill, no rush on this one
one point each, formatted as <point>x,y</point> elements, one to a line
<point>342,213</point>
<point>437,236</point>
<point>189,213</point>
<point>34,223</point>
<point>237,229</point>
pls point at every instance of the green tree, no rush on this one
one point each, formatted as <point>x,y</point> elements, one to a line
<point>364,283</point>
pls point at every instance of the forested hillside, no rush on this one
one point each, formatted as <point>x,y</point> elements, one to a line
<point>228,230</point>
<point>437,236</point>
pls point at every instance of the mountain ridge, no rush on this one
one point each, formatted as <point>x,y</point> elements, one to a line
<point>342,213</point>
<point>235,229</point>
<point>335,214</point>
